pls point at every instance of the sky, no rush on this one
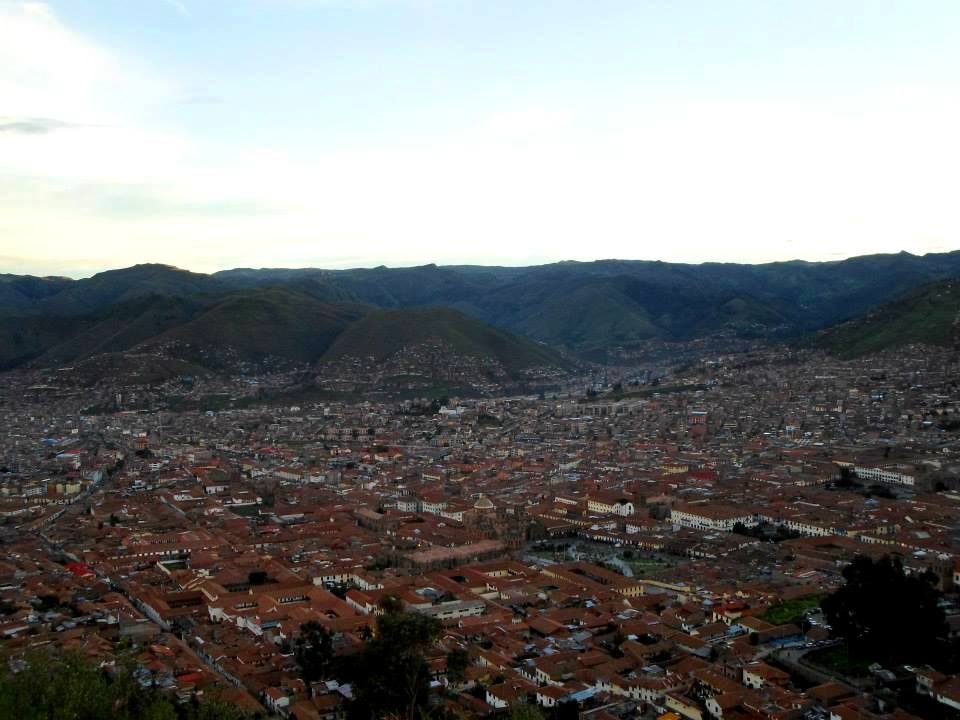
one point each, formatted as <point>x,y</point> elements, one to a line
<point>211,134</point>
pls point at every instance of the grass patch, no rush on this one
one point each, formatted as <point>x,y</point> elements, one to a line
<point>791,611</point>
<point>645,566</point>
<point>837,659</point>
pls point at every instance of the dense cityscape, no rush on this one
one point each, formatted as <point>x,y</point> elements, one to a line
<point>654,543</point>
<point>479,360</point>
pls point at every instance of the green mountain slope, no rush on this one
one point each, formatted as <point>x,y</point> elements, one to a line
<point>588,308</point>
<point>262,323</point>
<point>927,315</point>
<point>259,325</point>
<point>116,328</point>
<point>23,339</point>
<point>383,333</point>
<point>249,325</point>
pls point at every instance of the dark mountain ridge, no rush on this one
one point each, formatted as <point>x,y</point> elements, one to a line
<point>589,308</point>
<point>929,315</point>
<point>224,331</point>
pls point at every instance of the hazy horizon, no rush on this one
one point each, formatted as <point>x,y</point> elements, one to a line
<point>81,276</point>
<point>343,133</point>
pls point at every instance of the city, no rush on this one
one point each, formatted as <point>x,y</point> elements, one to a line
<point>479,360</point>
<point>633,549</point>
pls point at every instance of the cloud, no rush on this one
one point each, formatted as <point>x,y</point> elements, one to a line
<point>33,125</point>
<point>47,71</point>
<point>687,180</point>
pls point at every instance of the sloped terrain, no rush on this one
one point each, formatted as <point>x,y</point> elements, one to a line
<point>587,308</point>
<point>929,315</point>
<point>383,333</point>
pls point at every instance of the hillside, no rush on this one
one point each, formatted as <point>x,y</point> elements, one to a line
<point>117,328</point>
<point>589,308</point>
<point>151,339</point>
<point>20,292</point>
<point>259,324</point>
<point>250,325</point>
<point>928,315</point>
<point>594,313</point>
<point>381,334</point>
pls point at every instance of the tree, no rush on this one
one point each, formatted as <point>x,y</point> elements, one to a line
<point>457,662</point>
<point>525,711</point>
<point>569,710</point>
<point>160,711</point>
<point>885,614</point>
<point>847,477</point>
<point>390,675</point>
<point>390,604</point>
<point>67,686</point>
<point>313,651</point>
<point>216,708</point>
<point>72,689</point>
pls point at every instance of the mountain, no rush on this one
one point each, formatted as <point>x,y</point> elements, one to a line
<point>381,334</point>
<point>155,338</point>
<point>591,314</point>
<point>589,308</point>
<point>114,328</point>
<point>929,315</point>
<point>20,292</point>
<point>262,324</point>
<point>253,325</point>
<point>77,297</point>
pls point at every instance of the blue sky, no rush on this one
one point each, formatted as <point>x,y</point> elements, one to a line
<point>212,134</point>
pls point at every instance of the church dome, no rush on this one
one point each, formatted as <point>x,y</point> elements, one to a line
<point>483,503</point>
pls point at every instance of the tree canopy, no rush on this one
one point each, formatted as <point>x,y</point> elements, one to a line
<point>313,651</point>
<point>457,662</point>
<point>390,675</point>
<point>885,614</point>
<point>523,711</point>
<point>68,687</point>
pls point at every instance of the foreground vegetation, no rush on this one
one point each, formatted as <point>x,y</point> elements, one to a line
<point>69,687</point>
<point>886,616</point>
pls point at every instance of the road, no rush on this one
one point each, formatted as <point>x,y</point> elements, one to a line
<point>38,524</point>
